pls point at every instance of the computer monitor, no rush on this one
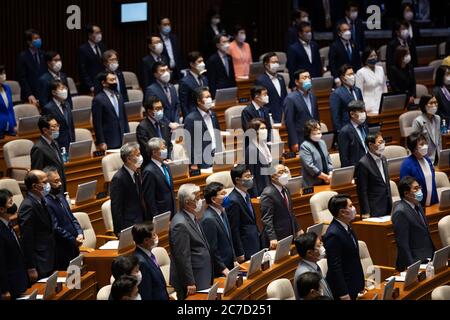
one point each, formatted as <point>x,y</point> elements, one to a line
<point>133,12</point>
<point>78,261</point>
<point>230,281</point>
<point>317,229</point>
<point>283,248</point>
<point>125,238</point>
<point>212,294</point>
<point>256,69</point>
<point>129,138</point>
<point>411,274</point>
<point>28,125</point>
<point>392,102</point>
<point>394,166</point>
<point>388,289</point>
<point>295,185</point>
<point>342,176</point>
<point>228,95</point>
<point>444,159</point>
<point>86,192</point>
<point>440,258</point>
<point>444,200</point>
<point>50,286</point>
<point>255,263</point>
<point>161,222</point>
<point>80,150</point>
<point>322,84</point>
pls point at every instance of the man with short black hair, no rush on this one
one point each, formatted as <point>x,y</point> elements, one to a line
<point>125,288</point>
<point>308,286</point>
<point>171,45</point>
<point>156,54</point>
<point>257,109</point>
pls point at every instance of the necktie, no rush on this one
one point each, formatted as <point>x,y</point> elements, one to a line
<point>11,228</point>
<point>158,129</point>
<point>115,104</point>
<point>56,149</point>
<point>224,221</point>
<point>200,81</point>
<point>153,258</point>
<point>158,58</point>
<point>261,113</point>
<point>353,93</point>
<point>169,97</point>
<point>350,233</point>
<point>200,229</point>
<point>363,135</point>
<point>97,50</point>
<point>249,205</point>
<point>421,217</point>
<point>349,51</point>
<point>166,174</point>
<point>36,58</point>
<point>65,112</point>
<point>286,200</point>
<point>225,63</point>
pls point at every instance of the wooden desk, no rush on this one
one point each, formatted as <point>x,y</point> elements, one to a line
<point>82,171</point>
<point>94,210</point>
<point>323,104</point>
<point>88,289</point>
<point>390,127</point>
<point>198,180</point>
<point>380,238</point>
<point>244,87</point>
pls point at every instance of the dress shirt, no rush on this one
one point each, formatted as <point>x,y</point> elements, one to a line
<point>209,124</point>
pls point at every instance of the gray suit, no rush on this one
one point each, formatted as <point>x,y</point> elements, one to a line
<point>191,262</point>
<point>424,125</point>
<point>304,267</point>
<point>312,162</point>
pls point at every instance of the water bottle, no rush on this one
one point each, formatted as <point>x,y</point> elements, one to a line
<point>64,155</point>
<point>271,120</point>
<point>444,129</point>
<point>66,194</point>
<point>430,270</point>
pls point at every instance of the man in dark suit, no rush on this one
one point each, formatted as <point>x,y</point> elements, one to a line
<point>217,229</point>
<point>157,184</point>
<point>400,37</point>
<point>53,73</point>
<point>343,51</point>
<point>90,59</point>
<point>37,228</point>
<point>109,116</point>
<point>304,54</point>
<point>127,198</point>
<point>372,179</point>
<point>46,151</point>
<point>220,66</point>
<point>345,274</point>
<point>352,137</point>
<point>355,23</point>
<point>153,126</point>
<point>69,235</point>
<point>324,14</point>
<point>298,17</point>
<point>13,270</point>
<point>257,109</point>
<point>31,66</point>
<point>277,211</point>
<point>111,64</point>
<point>171,46</point>
<point>60,108</point>
<point>195,78</point>
<point>411,226</point>
<point>275,84</point>
<point>166,92</point>
<point>192,266</point>
<point>342,96</point>
<point>204,121</point>
<point>153,284</point>
<point>156,47</point>
<point>300,107</point>
<point>242,216</point>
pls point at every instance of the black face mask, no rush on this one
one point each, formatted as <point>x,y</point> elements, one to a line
<point>56,191</point>
<point>12,209</point>
<point>112,86</point>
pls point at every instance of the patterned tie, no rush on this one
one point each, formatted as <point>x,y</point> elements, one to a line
<point>419,212</point>
<point>153,258</point>
<point>349,51</point>
<point>158,129</point>
<point>249,205</point>
<point>169,96</point>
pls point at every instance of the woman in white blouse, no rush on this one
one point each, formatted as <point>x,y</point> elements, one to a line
<point>371,80</point>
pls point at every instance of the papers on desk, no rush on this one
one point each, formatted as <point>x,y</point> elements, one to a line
<point>206,171</point>
<point>400,278</point>
<point>109,151</point>
<point>219,290</point>
<point>378,219</point>
<point>110,245</point>
<point>225,134</point>
<point>40,297</point>
<point>60,280</point>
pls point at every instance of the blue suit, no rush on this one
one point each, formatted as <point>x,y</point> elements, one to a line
<point>351,147</point>
<point>122,87</point>
<point>147,77</point>
<point>338,56</point>
<point>297,114</point>
<point>411,167</point>
<point>28,73</point>
<point>186,91</point>
<point>275,104</point>
<point>217,75</point>
<point>7,112</point>
<point>89,65</point>
<point>67,230</point>
<point>153,284</point>
<point>176,54</point>
<point>171,109</point>
<point>109,128</point>
<point>339,101</point>
<point>45,82</point>
<point>298,59</point>
<point>66,125</point>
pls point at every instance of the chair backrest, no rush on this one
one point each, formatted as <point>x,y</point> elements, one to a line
<point>382,52</point>
<point>13,186</point>
<point>223,177</point>
<point>25,110</point>
<point>178,152</point>
<point>441,293</point>
<point>282,59</point>
<point>111,164</point>
<point>15,90</point>
<point>436,63</point>
<point>280,289</point>
<point>441,49</point>
<point>323,264</point>
<point>319,206</point>
<point>131,80</point>
<point>444,230</point>
<point>276,138</point>
<point>364,255</point>
<point>107,216</point>
<point>395,152</point>
<point>324,55</point>
<point>335,160</point>
<point>82,102</point>
<point>104,293</point>
<point>323,127</point>
<point>233,117</point>
<point>90,240</point>
<point>163,259</point>
<point>83,135</point>
<point>421,90</point>
<point>406,120</point>
<point>441,180</point>
<point>17,154</point>
<point>72,87</point>
<point>133,126</point>
<point>286,78</point>
<point>135,95</point>
<point>394,191</point>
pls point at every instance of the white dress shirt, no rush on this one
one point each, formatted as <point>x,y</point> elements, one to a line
<point>276,83</point>
<point>130,172</point>
<point>355,125</point>
<point>307,47</point>
<point>379,163</point>
<point>428,179</point>
<point>113,98</point>
<point>159,165</point>
<point>372,85</point>
<point>209,124</point>
<point>169,48</point>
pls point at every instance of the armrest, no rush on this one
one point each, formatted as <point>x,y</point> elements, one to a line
<point>110,233</point>
<point>106,237</point>
<point>9,170</point>
<point>86,249</point>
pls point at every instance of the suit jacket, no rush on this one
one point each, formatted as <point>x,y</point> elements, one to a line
<point>109,128</point>
<point>219,240</point>
<point>158,192</point>
<point>147,77</point>
<point>298,59</point>
<point>146,131</point>
<point>275,105</point>
<point>311,162</point>
<point>278,218</point>
<point>7,112</point>
<point>126,205</point>
<point>89,65</point>
<point>357,30</point>
<point>338,56</point>
<point>244,230</point>
<point>443,104</point>
<point>67,230</point>
<point>411,167</point>
<point>297,114</point>
<point>43,155</point>
<point>193,148</point>
<point>153,284</point>
<point>37,229</point>
<point>208,47</point>
<point>374,193</point>
<point>250,113</point>
<point>191,260</point>
<point>317,13</point>
<point>345,274</point>
<point>122,87</point>
<point>28,73</point>
<point>45,82</point>
<point>304,267</point>
<point>291,35</point>
<point>402,80</point>
<point>217,75</point>
<point>423,124</point>
<point>412,235</point>
<point>171,109</point>
<point>66,127</point>
<point>13,270</point>
<point>257,164</point>
<point>339,100</point>
<point>351,147</point>
<point>176,54</point>
<point>186,91</point>
<point>390,52</point>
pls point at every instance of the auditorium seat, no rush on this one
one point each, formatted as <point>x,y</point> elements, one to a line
<point>442,182</point>
<point>72,87</point>
<point>335,160</point>
<point>323,127</point>
<point>421,91</point>
<point>436,63</point>
<point>17,158</point>
<point>224,178</point>
<point>441,293</point>
<point>369,268</point>
<point>110,165</point>
<point>131,80</point>
<point>179,152</point>
<point>133,126</point>
<point>233,117</point>
<point>280,289</point>
<point>25,110</point>
<point>324,55</point>
<point>13,186</point>
<point>323,264</point>
<point>84,135</point>
<point>286,78</point>
<point>441,50</point>
<point>395,152</point>
<point>394,192</point>
<point>15,90</point>
<point>90,238</point>
<point>107,218</point>
<point>319,207</point>
<point>444,230</point>
<point>104,293</point>
<point>406,121</point>
<point>135,95</point>
<point>82,102</point>
<point>163,259</point>
<point>382,52</point>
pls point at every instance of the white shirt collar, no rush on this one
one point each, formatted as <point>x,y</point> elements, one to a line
<point>58,103</point>
<point>47,140</point>
<point>304,43</point>
<point>310,263</point>
<point>159,164</point>
<point>374,156</point>
<point>203,113</point>
<point>271,76</point>
<point>54,75</point>
<point>216,210</point>
<point>92,44</point>
<point>6,222</point>
<point>242,193</point>
<point>410,203</point>
<point>108,92</point>
<point>190,215</point>
<point>131,172</point>
<point>355,125</point>
<point>147,252</point>
<point>256,106</point>
<point>221,54</point>
<point>342,224</point>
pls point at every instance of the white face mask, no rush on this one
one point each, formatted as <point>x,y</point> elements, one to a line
<point>446,80</point>
<point>407,59</point>
<point>352,213</point>
<point>139,161</point>
<point>362,116</point>
<point>316,137</point>
<point>2,78</point>
<point>225,48</point>
<point>158,49</point>
<point>241,37</point>
<point>283,179</point>
<point>350,80</point>
<point>201,67</point>
<point>322,252</point>
<point>198,206</point>
<point>308,36</point>
<point>113,66</point>
<point>164,153</point>
<point>263,134</point>
<point>432,110</point>
<point>381,149</point>
<point>165,77</point>
<point>347,35</point>
<point>423,150</point>
<point>408,15</point>
<point>138,297</point>
<point>274,67</point>
<point>57,66</point>
<point>265,100</point>
<point>138,277</point>
<point>208,103</point>
<point>404,34</point>
<point>98,38</point>
<point>354,15</point>
<point>62,94</point>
